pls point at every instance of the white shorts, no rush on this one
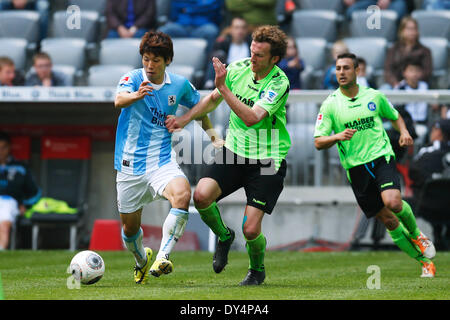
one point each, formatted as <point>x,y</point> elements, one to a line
<point>133,192</point>
<point>9,208</point>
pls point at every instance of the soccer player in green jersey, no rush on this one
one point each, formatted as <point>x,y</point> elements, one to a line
<point>256,145</point>
<point>354,113</point>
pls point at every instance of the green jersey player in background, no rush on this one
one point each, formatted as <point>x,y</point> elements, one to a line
<point>355,115</point>
<point>256,145</point>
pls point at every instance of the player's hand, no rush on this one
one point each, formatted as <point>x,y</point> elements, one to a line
<point>405,139</point>
<point>144,90</point>
<point>174,123</point>
<point>347,134</point>
<point>218,143</point>
<point>221,72</point>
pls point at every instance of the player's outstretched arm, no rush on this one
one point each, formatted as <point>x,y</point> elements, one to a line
<point>125,99</point>
<point>205,106</point>
<point>405,139</point>
<point>325,142</point>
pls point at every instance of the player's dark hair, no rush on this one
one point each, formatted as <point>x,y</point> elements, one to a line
<point>5,137</point>
<point>349,56</point>
<point>158,43</point>
<point>275,37</point>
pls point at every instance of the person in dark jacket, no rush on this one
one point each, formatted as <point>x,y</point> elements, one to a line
<point>130,18</point>
<point>43,75</point>
<point>17,189</point>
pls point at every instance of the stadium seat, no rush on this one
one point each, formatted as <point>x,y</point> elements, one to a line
<point>64,176</point>
<point>107,75</point>
<point>373,50</point>
<point>192,52</point>
<point>439,53</point>
<point>302,112</point>
<point>335,5</point>
<point>68,71</point>
<point>21,24</point>
<point>120,51</point>
<point>162,11</point>
<point>300,158</point>
<point>97,5</point>
<point>88,29</point>
<point>66,51</point>
<point>314,24</point>
<point>313,51</point>
<point>183,70</point>
<point>16,49</point>
<point>433,23</point>
<point>387,28</point>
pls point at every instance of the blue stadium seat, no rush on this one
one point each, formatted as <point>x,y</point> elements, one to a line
<point>16,49</point>
<point>315,24</point>
<point>373,50</point>
<point>66,51</point>
<point>21,24</point>
<point>120,51</point>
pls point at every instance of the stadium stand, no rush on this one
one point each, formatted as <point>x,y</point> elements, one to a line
<point>300,158</point>
<point>387,28</point>
<point>16,49</point>
<point>96,5</point>
<point>439,53</point>
<point>66,51</point>
<point>433,23</point>
<point>335,5</point>
<point>89,21</point>
<point>315,24</point>
<point>107,75</point>
<point>21,24</point>
<point>162,11</point>
<point>120,51</point>
<point>184,70</point>
<point>313,51</point>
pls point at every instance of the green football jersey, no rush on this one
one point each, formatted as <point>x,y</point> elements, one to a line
<point>363,113</point>
<point>268,138</point>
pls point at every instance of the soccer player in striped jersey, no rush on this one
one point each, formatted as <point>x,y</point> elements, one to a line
<point>253,157</point>
<point>146,166</point>
<point>351,118</point>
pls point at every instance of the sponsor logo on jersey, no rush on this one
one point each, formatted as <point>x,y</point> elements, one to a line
<point>124,80</point>
<point>361,124</point>
<point>270,96</point>
<point>247,101</point>
<point>158,117</point>
<point>319,119</point>
<point>372,106</point>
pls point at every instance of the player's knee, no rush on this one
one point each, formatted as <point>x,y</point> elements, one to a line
<point>130,230</point>
<point>389,220</point>
<point>182,198</point>
<point>250,232</point>
<point>395,205</point>
<point>201,198</point>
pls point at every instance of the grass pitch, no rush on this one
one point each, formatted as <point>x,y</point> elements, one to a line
<point>289,276</point>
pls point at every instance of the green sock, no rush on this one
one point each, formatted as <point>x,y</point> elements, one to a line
<point>211,216</point>
<point>256,249</point>
<point>406,216</point>
<point>401,237</point>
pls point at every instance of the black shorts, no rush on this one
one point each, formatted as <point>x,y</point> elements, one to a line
<point>369,180</point>
<point>262,184</point>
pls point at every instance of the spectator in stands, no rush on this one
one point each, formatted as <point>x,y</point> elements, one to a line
<point>194,19</point>
<point>361,73</point>
<point>330,81</point>
<point>412,73</point>
<point>292,64</point>
<point>41,6</point>
<point>407,46</point>
<point>17,189</point>
<point>436,4</point>
<point>255,12</point>
<point>428,163</point>
<point>234,45</point>
<point>130,18</point>
<point>399,6</point>
<point>43,75</point>
<point>9,76</point>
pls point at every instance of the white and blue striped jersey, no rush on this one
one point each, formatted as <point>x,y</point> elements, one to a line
<point>143,143</point>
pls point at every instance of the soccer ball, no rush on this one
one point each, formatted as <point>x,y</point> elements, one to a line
<point>87,267</point>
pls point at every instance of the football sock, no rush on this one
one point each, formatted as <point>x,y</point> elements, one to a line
<point>256,249</point>
<point>134,244</point>
<point>172,230</point>
<point>211,216</point>
<point>401,237</point>
<point>406,216</point>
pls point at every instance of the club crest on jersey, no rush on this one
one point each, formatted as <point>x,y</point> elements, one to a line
<point>372,106</point>
<point>171,100</point>
<point>124,80</point>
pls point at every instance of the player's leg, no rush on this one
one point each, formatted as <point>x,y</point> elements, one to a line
<point>255,245</point>
<point>178,192</point>
<point>393,201</point>
<point>5,227</point>
<point>132,192</point>
<point>401,237</point>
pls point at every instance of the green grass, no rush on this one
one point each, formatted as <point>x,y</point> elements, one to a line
<point>290,276</point>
